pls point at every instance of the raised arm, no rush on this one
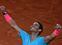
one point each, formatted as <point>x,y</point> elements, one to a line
<point>23,34</point>
<point>8,18</point>
<point>54,34</point>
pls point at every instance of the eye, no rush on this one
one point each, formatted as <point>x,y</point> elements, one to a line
<point>36,24</point>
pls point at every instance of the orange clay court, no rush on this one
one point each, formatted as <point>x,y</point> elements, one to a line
<point>25,12</point>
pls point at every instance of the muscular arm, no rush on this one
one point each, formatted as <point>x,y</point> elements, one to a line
<point>11,21</point>
<point>23,34</point>
<point>54,34</point>
<point>8,18</point>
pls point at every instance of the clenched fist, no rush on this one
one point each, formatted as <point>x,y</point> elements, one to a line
<point>58,26</point>
<point>3,8</point>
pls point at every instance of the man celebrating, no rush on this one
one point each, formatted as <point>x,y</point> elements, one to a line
<point>35,28</point>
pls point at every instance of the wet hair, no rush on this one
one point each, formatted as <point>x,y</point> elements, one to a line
<point>41,26</point>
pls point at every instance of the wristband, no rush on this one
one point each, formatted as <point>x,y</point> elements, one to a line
<point>7,17</point>
<point>56,32</point>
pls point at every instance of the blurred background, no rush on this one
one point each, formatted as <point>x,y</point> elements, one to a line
<point>25,12</point>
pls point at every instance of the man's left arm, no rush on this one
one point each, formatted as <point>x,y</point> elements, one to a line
<point>54,34</point>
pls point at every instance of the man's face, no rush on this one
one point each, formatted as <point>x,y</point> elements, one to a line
<point>35,27</point>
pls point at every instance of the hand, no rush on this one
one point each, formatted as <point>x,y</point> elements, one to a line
<point>58,26</point>
<point>3,8</point>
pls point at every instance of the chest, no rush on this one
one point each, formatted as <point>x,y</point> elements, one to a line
<point>36,41</point>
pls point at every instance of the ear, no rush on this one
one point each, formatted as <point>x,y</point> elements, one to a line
<point>39,30</point>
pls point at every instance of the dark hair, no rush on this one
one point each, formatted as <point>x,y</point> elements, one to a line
<point>41,26</point>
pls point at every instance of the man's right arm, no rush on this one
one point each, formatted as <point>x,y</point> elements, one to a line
<point>8,18</point>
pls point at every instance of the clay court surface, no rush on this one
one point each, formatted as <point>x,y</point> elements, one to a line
<point>25,12</point>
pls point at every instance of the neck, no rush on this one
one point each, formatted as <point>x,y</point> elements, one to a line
<point>34,35</point>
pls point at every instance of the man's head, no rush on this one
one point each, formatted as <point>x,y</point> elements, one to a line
<point>36,27</point>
